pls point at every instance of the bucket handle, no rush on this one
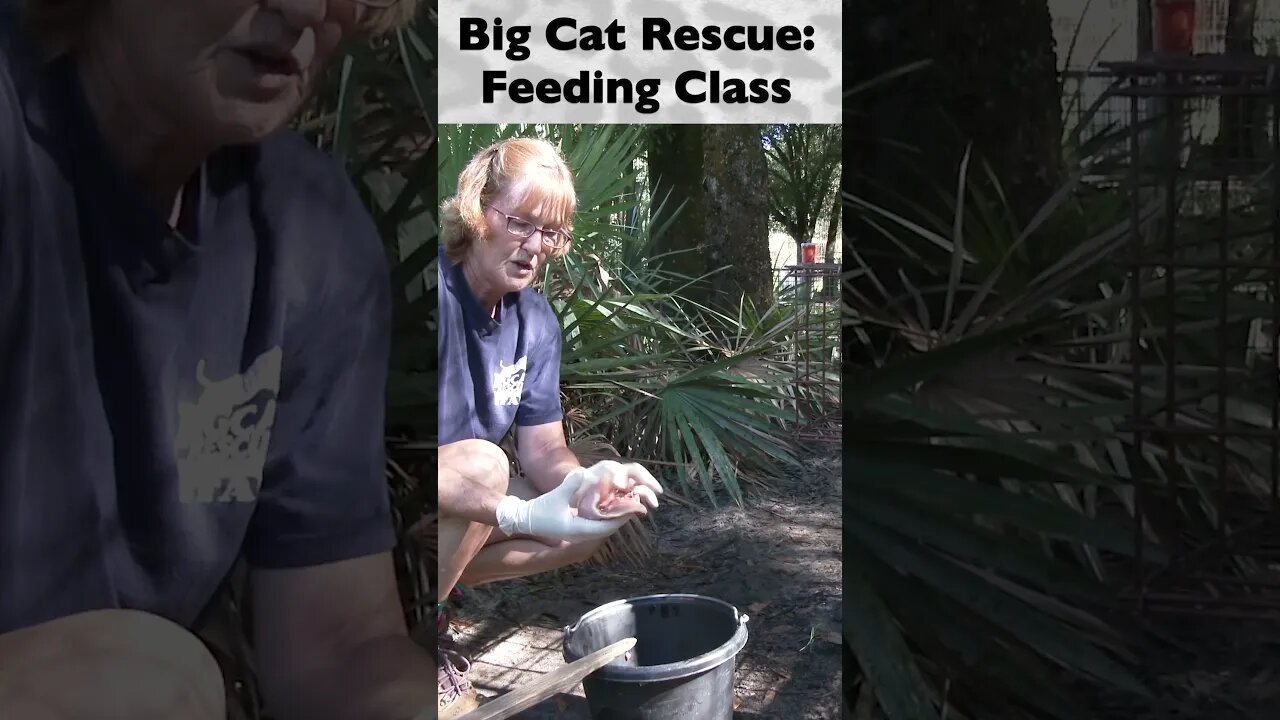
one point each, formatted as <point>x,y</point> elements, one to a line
<point>742,617</point>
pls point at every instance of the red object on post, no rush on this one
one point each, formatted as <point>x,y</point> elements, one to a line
<point>1175,26</point>
<point>809,253</point>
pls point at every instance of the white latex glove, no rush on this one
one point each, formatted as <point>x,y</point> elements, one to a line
<point>609,480</point>
<point>553,516</point>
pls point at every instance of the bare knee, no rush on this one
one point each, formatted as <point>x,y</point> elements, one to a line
<point>476,461</point>
<point>135,664</point>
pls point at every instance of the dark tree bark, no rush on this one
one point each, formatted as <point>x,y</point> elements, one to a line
<point>737,184</point>
<point>1242,17</point>
<point>1242,134</point>
<point>991,81</point>
<point>1146,28</point>
<point>719,171</point>
<point>833,226</point>
<point>675,164</point>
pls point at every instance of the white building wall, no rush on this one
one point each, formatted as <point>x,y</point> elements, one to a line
<point>1106,30</point>
<point>1099,19</point>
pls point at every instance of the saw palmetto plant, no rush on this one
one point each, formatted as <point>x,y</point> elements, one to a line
<point>374,112</point>
<point>989,478</point>
<point>966,536</point>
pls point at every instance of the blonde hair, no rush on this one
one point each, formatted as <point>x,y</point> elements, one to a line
<point>518,168</point>
<point>59,24</point>
<point>378,21</point>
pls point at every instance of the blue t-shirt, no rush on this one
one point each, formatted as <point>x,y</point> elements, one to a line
<point>171,398</point>
<point>495,372</point>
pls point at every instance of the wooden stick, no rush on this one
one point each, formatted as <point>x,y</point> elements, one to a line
<point>558,680</point>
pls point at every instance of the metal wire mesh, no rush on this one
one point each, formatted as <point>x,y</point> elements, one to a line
<point>1210,37</point>
<point>812,292</point>
<point>1202,345</point>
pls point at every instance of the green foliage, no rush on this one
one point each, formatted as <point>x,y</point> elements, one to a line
<point>959,519</point>
<point>804,171</point>
<point>994,487</point>
<point>374,111</point>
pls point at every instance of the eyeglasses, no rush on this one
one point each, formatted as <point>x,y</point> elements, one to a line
<point>555,239</point>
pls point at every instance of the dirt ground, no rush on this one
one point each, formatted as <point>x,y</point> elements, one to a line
<point>777,559</point>
<point>1201,668</point>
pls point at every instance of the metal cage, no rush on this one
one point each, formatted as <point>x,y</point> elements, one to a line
<point>1204,282</point>
<point>812,290</point>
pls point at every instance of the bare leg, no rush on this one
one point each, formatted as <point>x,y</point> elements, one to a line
<point>108,664</point>
<point>504,557</point>
<point>473,476</point>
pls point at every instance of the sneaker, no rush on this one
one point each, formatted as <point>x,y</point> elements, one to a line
<point>454,694</point>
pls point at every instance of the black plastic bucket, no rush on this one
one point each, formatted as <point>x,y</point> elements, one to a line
<point>682,667</point>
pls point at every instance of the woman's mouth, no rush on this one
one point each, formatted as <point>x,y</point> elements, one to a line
<point>525,268</point>
<point>272,71</point>
<point>270,60</point>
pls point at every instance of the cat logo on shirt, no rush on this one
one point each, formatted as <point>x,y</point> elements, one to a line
<point>223,436</point>
<point>508,382</point>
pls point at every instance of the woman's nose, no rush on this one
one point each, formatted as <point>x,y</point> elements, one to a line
<point>300,14</point>
<point>534,244</point>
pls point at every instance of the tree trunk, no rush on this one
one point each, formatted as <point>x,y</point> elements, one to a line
<point>1146,28</point>
<point>1242,17</point>
<point>992,80</point>
<point>737,183</point>
<point>833,226</point>
<point>1242,134</point>
<point>675,164</point>
<point>719,173</point>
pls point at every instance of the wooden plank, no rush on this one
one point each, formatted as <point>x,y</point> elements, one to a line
<point>558,680</point>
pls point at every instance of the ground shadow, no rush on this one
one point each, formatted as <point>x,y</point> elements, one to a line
<point>778,560</point>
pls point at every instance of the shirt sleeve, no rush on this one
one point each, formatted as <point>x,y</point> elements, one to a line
<point>540,401</point>
<point>324,496</point>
